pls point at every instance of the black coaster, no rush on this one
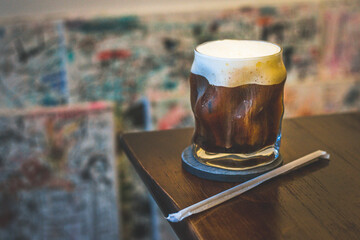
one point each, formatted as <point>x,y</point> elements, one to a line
<point>198,169</point>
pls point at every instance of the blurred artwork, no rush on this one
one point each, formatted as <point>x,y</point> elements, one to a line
<point>124,59</point>
<point>100,60</point>
<point>341,96</point>
<point>57,173</point>
<point>173,113</point>
<point>304,101</point>
<point>128,58</point>
<point>32,64</point>
<point>341,48</point>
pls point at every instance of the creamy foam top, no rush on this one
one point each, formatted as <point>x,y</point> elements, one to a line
<point>232,63</point>
<point>238,49</point>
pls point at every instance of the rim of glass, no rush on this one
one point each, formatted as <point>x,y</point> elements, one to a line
<point>238,59</point>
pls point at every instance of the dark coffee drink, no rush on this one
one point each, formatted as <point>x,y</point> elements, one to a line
<point>237,101</point>
<point>241,119</point>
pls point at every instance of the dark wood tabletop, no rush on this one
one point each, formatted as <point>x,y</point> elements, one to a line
<point>319,201</point>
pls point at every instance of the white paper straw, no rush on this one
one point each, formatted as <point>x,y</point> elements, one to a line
<point>243,187</point>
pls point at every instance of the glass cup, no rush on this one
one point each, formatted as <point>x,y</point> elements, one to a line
<point>237,91</point>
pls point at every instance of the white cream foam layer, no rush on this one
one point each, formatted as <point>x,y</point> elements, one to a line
<point>238,49</point>
<point>232,63</point>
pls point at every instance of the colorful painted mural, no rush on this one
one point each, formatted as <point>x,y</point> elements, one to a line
<point>128,58</point>
<point>57,173</point>
<point>32,65</point>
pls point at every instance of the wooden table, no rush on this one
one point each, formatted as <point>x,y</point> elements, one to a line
<point>320,201</point>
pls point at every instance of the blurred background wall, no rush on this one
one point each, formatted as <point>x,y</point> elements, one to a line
<point>40,8</point>
<point>72,51</point>
<point>138,55</point>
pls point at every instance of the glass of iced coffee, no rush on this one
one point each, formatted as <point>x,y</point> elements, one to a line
<point>237,100</point>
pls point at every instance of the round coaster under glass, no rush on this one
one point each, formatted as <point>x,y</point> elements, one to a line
<point>195,167</point>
